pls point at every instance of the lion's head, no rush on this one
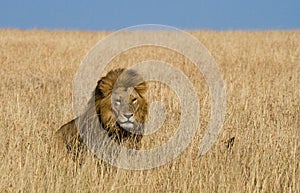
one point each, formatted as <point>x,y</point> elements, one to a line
<point>120,101</point>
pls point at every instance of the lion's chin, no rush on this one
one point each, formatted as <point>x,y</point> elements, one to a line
<point>127,126</point>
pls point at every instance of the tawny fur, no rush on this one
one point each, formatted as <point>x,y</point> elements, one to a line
<point>68,139</point>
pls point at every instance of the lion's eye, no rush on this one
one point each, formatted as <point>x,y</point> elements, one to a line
<point>118,102</point>
<point>134,100</point>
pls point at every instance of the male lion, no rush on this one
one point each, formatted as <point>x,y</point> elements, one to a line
<point>120,107</point>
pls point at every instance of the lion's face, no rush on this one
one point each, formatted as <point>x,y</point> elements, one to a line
<point>121,101</point>
<point>126,104</point>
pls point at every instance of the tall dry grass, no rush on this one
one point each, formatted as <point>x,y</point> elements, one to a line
<point>261,72</point>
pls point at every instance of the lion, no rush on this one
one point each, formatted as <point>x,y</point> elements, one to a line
<point>119,103</point>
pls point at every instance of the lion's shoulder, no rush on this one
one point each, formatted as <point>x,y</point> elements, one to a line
<point>67,138</point>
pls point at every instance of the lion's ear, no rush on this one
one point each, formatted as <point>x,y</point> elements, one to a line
<point>104,87</point>
<point>98,90</point>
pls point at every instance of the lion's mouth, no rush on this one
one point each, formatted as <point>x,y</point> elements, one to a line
<point>127,125</point>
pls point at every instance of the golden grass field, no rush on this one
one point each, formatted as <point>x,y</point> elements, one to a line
<point>261,71</point>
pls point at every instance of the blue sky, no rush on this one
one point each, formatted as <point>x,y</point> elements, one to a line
<point>113,15</point>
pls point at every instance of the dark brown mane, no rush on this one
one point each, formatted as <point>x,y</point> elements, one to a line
<point>119,78</point>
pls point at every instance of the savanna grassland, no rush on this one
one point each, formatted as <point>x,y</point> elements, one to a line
<point>261,72</point>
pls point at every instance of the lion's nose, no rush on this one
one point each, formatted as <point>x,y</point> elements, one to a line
<point>128,115</point>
